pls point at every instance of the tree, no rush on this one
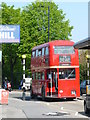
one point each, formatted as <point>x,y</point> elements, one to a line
<point>33,20</point>
<point>10,57</point>
<point>34,26</point>
<point>83,64</point>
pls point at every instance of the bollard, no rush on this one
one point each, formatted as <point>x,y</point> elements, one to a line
<point>88,87</point>
<point>23,94</point>
<point>4,94</point>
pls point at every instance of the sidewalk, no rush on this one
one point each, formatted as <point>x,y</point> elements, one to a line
<point>7,111</point>
<point>10,110</point>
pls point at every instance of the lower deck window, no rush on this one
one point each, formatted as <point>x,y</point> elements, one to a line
<point>68,73</point>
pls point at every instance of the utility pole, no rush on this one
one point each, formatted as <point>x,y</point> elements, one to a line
<point>88,64</point>
<point>48,22</point>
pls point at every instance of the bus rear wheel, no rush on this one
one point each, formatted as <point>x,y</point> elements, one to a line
<point>43,93</point>
<point>31,93</point>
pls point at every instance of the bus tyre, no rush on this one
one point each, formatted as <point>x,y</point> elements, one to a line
<point>43,93</point>
<point>31,94</point>
<point>86,110</point>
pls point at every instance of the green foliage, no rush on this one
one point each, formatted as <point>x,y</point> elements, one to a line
<point>83,64</point>
<point>33,20</point>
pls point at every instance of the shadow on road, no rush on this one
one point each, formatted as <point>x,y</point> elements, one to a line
<point>83,113</point>
<point>28,98</point>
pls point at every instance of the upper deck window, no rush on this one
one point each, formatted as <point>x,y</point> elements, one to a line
<point>36,53</point>
<point>33,54</point>
<point>39,52</point>
<point>46,51</point>
<point>42,51</point>
<point>64,50</point>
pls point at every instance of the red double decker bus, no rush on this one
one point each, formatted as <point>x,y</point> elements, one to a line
<point>55,70</point>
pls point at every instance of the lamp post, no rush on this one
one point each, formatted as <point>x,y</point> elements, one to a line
<point>48,22</point>
<point>23,94</point>
<point>88,57</point>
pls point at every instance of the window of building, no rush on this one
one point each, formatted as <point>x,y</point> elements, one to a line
<point>42,51</point>
<point>46,51</point>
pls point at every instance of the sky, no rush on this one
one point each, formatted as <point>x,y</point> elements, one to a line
<point>76,12</point>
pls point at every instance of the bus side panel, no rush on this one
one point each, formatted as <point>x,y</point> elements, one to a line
<point>66,88</point>
<point>34,86</point>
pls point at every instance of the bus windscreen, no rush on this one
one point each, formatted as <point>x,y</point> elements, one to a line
<point>67,73</point>
<point>64,50</point>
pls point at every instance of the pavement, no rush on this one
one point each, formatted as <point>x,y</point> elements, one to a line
<point>9,111</point>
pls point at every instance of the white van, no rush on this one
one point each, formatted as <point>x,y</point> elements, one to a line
<point>28,82</point>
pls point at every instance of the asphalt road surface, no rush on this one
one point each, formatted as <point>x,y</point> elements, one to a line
<point>36,108</point>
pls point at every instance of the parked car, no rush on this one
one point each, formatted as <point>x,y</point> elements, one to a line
<point>87,99</point>
<point>83,87</point>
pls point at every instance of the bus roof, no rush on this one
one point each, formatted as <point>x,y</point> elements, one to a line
<point>54,42</point>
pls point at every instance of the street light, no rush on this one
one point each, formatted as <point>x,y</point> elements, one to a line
<point>48,21</point>
<point>88,57</point>
<point>23,57</point>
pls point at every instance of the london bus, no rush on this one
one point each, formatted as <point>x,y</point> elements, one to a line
<point>55,70</point>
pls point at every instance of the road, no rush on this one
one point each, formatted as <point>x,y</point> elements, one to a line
<point>36,108</point>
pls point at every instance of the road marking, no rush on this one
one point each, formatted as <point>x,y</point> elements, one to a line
<point>37,102</point>
<point>60,113</point>
<point>76,113</point>
<point>48,104</point>
<point>61,108</point>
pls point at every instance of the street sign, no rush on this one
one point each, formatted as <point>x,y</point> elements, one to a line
<point>9,33</point>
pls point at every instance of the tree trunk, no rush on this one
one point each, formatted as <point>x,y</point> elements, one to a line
<point>12,75</point>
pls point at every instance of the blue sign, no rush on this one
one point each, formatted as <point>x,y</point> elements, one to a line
<point>9,33</point>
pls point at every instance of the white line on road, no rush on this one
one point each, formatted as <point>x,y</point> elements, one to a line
<point>61,108</point>
<point>76,113</point>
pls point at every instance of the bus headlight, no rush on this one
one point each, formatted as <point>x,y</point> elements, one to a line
<point>73,92</point>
